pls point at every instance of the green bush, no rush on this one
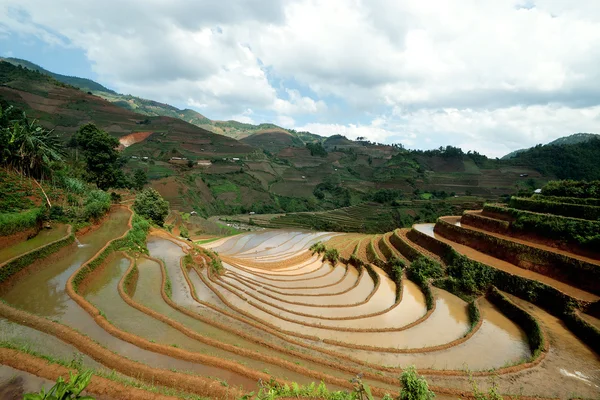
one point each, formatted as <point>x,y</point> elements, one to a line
<point>150,204</point>
<point>421,270</point>
<point>331,255</point>
<point>580,232</point>
<point>414,387</point>
<point>569,188</point>
<point>184,232</point>
<point>97,203</point>
<point>14,222</point>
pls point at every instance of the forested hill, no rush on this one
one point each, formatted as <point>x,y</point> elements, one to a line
<point>571,139</point>
<point>565,161</point>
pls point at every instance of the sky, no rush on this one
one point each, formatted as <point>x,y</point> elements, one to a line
<point>486,75</point>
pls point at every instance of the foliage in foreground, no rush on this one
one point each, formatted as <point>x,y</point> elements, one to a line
<point>65,390</point>
<point>25,146</point>
<point>151,205</point>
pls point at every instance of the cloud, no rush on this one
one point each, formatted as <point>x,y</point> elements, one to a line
<point>487,74</point>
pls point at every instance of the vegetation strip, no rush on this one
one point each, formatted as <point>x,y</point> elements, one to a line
<point>581,233</point>
<point>550,207</point>
<point>537,342</point>
<point>16,264</point>
<point>585,275</point>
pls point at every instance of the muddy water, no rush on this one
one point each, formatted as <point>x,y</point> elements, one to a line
<point>41,239</point>
<point>42,343</point>
<point>310,295</point>
<point>357,294</point>
<point>148,294</point>
<point>131,320</point>
<point>447,323</point>
<point>497,343</point>
<point>14,383</point>
<point>42,293</point>
<point>324,276</point>
<point>569,370</point>
<point>300,268</point>
<point>314,270</point>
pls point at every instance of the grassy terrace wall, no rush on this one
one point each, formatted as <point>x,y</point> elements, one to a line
<point>582,274</point>
<point>15,265</point>
<point>570,200</point>
<point>522,318</point>
<point>469,276</point>
<point>582,233</point>
<point>407,250</point>
<point>487,223</point>
<point>550,207</point>
<point>15,222</point>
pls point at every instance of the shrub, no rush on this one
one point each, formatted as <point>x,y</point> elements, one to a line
<point>97,203</point>
<point>184,232</point>
<point>150,204</point>
<point>331,255</point>
<point>14,222</point>
<point>414,387</point>
<point>568,188</point>
<point>74,185</point>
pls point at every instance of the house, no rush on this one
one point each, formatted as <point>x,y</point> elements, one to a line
<point>144,158</point>
<point>134,157</point>
<point>192,213</point>
<point>303,177</point>
<point>252,213</point>
<point>537,191</point>
<point>523,175</point>
<point>235,159</point>
<point>204,163</point>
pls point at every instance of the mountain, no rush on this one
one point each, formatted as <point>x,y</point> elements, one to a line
<point>571,139</point>
<point>151,108</point>
<point>81,83</point>
<point>270,169</point>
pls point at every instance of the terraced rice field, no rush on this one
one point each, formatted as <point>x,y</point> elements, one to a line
<point>275,310</point>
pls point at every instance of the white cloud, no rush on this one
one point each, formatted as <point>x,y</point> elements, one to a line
<point>487,74</point>
<point>285,121</point>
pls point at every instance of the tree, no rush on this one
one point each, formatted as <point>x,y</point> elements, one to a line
<point>140,178</point>
<point>101,156</point>
<point>26,146</point>
<point>151,205</point>
<point>414,387</point>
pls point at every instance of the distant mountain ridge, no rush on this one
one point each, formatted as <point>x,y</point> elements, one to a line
<point>233,129</point>
<point>565,140</point>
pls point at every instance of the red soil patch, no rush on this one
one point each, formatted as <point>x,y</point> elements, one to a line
<point>128,140</point>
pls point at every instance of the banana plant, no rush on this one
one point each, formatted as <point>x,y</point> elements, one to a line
<point>65,390</point>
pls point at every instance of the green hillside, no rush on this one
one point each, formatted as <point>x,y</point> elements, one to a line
<point>273,170</point>
<point>233,129</point>
<point>571,139</point>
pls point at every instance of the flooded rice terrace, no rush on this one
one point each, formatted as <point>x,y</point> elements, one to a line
<point>275,310</point>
